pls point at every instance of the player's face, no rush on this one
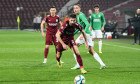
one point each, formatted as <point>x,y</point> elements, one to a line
<point>138,11</point>
<point>76,9</point>
<point>53,11</point>
<point>96,9</point>
<point>72,21</point>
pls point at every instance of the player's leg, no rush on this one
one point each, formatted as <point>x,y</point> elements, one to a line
<point>78,57</point>
<point>100,45</point>
<point>55,41</point>
<point>99,36</point>
<point>135,36</point>
<point>47,43</point>
<point>93,36</point>
<point>96,56</point>
<point>77,64</point>
<point>46,51</point>
<point>58,54</point>
<point>139,36</point>
<point>78,43</point>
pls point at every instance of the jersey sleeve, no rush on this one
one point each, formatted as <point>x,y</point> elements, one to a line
<point>79,27</point>
<point>45,19</point>
<point>91,20</point>
<point>58,18</point>
<point>61,29</point>
<point>103,19</point>
<point>84,19</point>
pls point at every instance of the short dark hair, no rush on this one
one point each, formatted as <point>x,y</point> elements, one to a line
<point>78,5</point>
<point>72,16</point>
<point>52,7</point>
<point>96,5</point>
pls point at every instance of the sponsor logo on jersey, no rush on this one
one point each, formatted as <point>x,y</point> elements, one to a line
<point>96,20</point>
<point>52,24</point>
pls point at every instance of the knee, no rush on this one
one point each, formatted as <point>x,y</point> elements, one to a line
<point>99,39</point>
<point>93,39</point>
<point>47,46</point>
<point>77,54</point>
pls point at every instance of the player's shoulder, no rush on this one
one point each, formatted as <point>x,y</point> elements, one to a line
<point>47,16</point>
<point>81,14</point>
<point>92,14</point>
<point>77,24</point>
<point>101,13</point>
<point>57,16</point>
<point>65,24</point>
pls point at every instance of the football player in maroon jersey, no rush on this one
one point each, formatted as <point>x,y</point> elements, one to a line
<point>52,22</point>
<point>65,36</point>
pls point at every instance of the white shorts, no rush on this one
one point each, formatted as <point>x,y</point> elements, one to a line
<point>89,40</point>
<point>97,34</point>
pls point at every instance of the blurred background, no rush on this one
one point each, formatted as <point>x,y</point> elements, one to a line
<point>118,13</point>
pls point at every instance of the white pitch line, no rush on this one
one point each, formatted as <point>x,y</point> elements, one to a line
<point>122,46</point>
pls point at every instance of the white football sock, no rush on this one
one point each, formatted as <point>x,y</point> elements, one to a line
<point>75,59</point>
<point>96,56</point>
<point>45,59</point>
<point>100,45</point>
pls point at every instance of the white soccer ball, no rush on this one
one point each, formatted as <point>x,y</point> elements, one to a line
<point>79,79</point>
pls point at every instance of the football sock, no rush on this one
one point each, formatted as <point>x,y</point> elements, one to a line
<point>96,56</point>
<point>100,45</point>
<point>79,60</point>
<point>46,52</point>
<point>75,59</point>
<point>58,58</point>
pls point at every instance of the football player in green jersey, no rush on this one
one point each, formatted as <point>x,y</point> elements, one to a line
<point>82,20</point>
<point>97,26</point>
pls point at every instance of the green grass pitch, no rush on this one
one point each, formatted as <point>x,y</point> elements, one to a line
<point>22,54</point>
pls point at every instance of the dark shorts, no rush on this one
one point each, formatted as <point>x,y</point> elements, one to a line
<point>51,39</point>
<point>70,43</point>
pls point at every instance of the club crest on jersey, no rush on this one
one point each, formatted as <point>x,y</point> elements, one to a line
<point>62,27</point>
<point>56,20</point>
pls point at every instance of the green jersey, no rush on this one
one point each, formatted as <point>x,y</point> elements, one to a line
<point>82,20</point>
<point>96,21</point>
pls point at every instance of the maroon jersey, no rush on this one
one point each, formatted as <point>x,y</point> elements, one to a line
<point>52,24</point>
<point>68,31</point>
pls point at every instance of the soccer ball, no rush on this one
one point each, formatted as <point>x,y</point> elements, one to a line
<point>79,79</point>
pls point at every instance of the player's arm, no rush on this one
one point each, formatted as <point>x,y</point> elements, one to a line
<point>91,22</point>
<point>84,19</point>
<point>104,22</point>
<point>42,25</point>
<point>84,34</point>
<point>76,31</point>
<point>58,34</point>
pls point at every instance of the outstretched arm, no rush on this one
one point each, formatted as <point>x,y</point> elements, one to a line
<point>104,22</point>
<point>58,34</point>
<point>84,34</point>
<point>42,25</point>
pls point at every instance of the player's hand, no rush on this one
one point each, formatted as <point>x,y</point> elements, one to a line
<point>90,28</point>
<point>102,29</point>
<point>86,45</point>
<point>43,35</point>
<point>81,37</point>
<point>65,46</point>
